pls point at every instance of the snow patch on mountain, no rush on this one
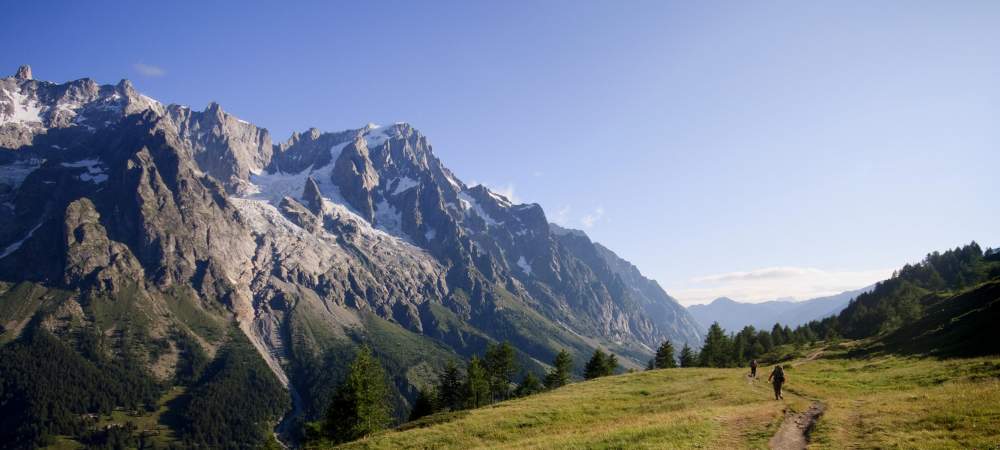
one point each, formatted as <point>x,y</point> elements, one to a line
<point>470,204</point>
<point>94,170</point>
<point>13,174</point>
<point>404,184</point>
<point>523,264</point>
<point>25,110</point>
<point>388,219</point>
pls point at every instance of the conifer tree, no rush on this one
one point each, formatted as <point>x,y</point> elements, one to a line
<point>450,394</point>
<point>477,384</point>
<point>610,364</point>
<point>500,369</point>
<point>361,404</point>
<point>716,350</point>
<point>424,405</point>
<point>688,358</point>
<point>664,358</point>
<point>778,335</point>
<point>529,385</point>
<point>597,366</point>
<point>561,367</point>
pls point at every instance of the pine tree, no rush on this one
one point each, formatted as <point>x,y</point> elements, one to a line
<point>610,364</point>
<point>450,388</point>
<point>477,385</point>
<point>529,385</point>
<point>500,368</point>
<point>716,351</point>
<point>424,405</point>
<point>665,356</point>
<point>688,358</point>
<point>597,366</point>
<point>361,404</point>
<point>561,367</point>
<point>778,335</point>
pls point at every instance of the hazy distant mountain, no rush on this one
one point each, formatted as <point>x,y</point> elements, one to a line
<point>733,315</point>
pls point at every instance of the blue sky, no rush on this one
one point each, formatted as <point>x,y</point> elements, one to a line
<point>748,149</point>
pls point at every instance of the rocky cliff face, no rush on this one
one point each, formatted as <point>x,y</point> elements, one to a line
<point>196,219</point>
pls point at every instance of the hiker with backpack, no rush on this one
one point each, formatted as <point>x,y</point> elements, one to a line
<point>753,368</point>
<point>777,378</point>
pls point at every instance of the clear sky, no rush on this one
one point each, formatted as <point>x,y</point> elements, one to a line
<point>749,149</point>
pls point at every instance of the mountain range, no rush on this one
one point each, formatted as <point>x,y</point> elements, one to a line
<point>137,234</point>
<point>733,315</point>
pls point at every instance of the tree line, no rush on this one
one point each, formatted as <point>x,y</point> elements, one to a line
<point>360,405</point>
<point>730,350</point>
<point>890,304</point>
<point>901,298</point>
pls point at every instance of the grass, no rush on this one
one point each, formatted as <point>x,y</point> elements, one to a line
<point>881,402</point>
<point>19,302</point>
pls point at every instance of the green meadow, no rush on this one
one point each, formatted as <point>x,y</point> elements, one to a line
<point>883,401</point>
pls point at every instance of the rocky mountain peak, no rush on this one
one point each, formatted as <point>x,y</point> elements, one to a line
<point>308,244</point>
<point>23,73</point>
<point>125,87</point>
<point>215,109</point>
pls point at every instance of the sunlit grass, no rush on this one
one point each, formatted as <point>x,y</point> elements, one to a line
<point>885,402</point>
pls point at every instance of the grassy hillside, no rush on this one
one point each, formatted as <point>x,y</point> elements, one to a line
<point>885,401</point>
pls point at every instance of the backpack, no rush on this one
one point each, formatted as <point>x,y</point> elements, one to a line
<point>779,375</point>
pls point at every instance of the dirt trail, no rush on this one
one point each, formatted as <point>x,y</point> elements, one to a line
<point>812,357</point>
<point>794,431</point>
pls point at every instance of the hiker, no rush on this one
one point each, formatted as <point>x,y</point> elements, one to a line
<point>753,368</point>
<point>777,378</point>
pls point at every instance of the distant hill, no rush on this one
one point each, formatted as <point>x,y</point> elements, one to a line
<point>734,315</point>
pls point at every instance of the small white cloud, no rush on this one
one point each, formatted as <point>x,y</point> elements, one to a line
<point>149,70</point>
<point>537,173</point>
<point>589,220</point>
<point>759,274</point>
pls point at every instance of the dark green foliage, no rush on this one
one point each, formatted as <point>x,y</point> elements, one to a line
<point>192,359</point>
<point>964,325</point>
<point>486,381</point>
<point>611,364</point>
<point>476,389</point>
<point>716,350</point>
<point>530,385</point>
<point>500,369</point>
<point>724,350</point>
<point>236,401</point>
<point>46,386</point>
<point>361,404</point>
<point>113,437</point>
<point>902,299</point>
<point>688,357</point>
<point>913,301</point>
<point>562,365</point>
<point>450,388</point>
<point>664,358</point>
<point>424,405</point>
<point>597,366</point>
<point>317,377</point>
<point>897,300</point>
